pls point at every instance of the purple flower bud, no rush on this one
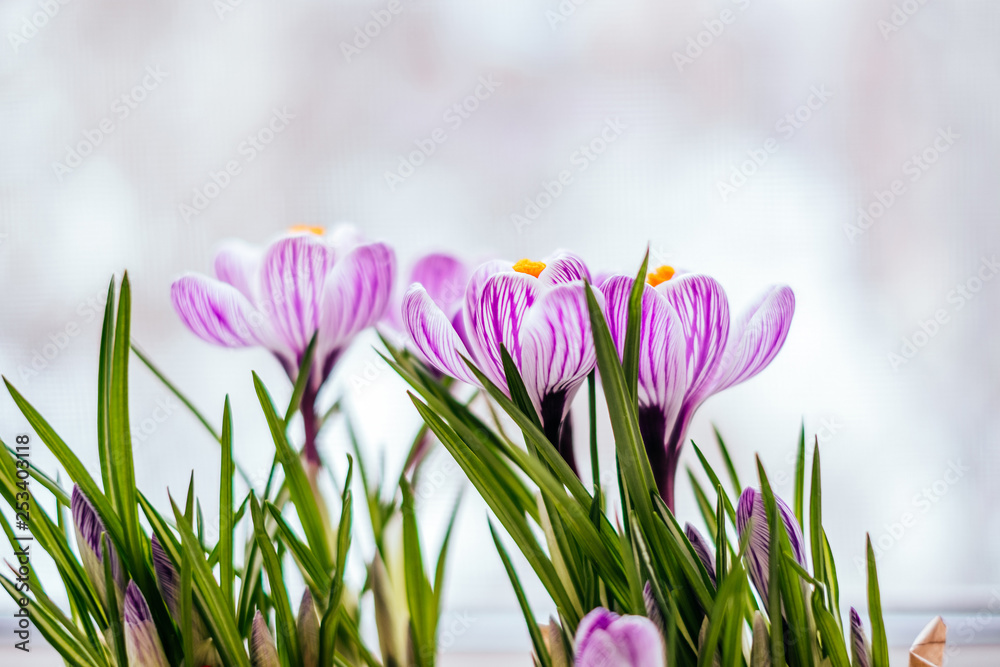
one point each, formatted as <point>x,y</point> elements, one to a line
<point>859,644</point>
<point>750,514</point>
<point>605,639</point>
<point>262,651</point>
<point>88,540</point>
<point>142,643</point>
<point>702,549</point>
<point>307,628</point>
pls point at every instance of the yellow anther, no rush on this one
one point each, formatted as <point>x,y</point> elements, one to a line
<point>530,267</point>
<point>660,275</point>
<point>307,229</point>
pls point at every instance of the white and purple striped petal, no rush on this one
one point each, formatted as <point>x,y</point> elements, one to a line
<point>860,656</point>
<point>89,528</point>
<point>444,277</point>
<point>703,310</point>
<point>498,317</point>
<point>757,337</point>
<point>564,267</point>
<point>605,639</point>
<point>752,515</point>
<point>702,549</point>
<point>142,643</point>
<point>355,294</point>
<point>433,335</point>
<point>293,272</point>
<point>237,263</point>
<point>557,351</point>
<point>217,312</point>
<point>262,650</point>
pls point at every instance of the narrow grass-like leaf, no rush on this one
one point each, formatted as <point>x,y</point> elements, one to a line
<point>295,475</point>
<point>226,520</point>
<point>114,617</point>
<point>187,610</point>
<point>104,393</point>
<point>800,478</point>
<point>288,640</point>
<point>816,518</point>
<point>72,651</point>
<point>301,379</point>
<point>830,633</point>
<point>537,641</point>
<point>630,356</point>
<point>419,597</point>
<point>880,645</point>
<point>728,460</point>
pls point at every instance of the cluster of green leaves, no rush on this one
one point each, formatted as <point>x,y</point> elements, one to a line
<point>216,587</point>
<point>645,565</point>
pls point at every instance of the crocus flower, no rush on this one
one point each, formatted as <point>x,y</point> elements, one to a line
<point>605,639</point>
<point>89,529</point>
<point>537,310</point>
<point>307,629</point>
<point>142,643</point>
<point>689,350</point>
<point>278,296</point>
<point>702,549</point>
<point>444,278</point>
<point>262,650</point>
<point>859,643</point>
<point>752,515</point>
<point>168,580</point>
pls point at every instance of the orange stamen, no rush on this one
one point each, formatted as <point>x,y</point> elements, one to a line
<point>307,229</point>
<point>660,275</point>
<point>529,267</point>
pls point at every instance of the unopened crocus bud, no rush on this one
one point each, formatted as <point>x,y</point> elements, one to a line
<point>751,515</point>
<point>859,643</point>
<point>308,631</point>
<point>604,638</point>
<point>89,529</point>
<point>168,581</point>
<point>702,549</point>
<point>262,650</point>
<point>142,643</point>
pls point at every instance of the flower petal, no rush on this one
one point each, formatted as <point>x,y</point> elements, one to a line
<point>557,345</point>
<point>262,651</point>
<point>564,267</point>
<point>89,529</point>
<point>498,318</point>
<point>217,312</point>
<point>356,294</point>
<point>702,549</point>
<point>757,337</point>
<point>596,620</point>
<point>662,361</point>
<point>703,310</point>
<point>293,272</point>
<point>444,277</point>
<point>859,643</point>
<point>433,335</point>
<point>142,643</point>
<point>640,637</point>
<point>237,263</point>
<point>751,514</point>
<point>604,639</point>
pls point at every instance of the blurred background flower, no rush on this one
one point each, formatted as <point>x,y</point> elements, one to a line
<point>847,150</point>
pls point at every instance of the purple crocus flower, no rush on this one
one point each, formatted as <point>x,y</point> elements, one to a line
<point>168,581</point>
<point>537,310</point>
<point>89,528</point>
<point>277,297</point>
<point>752,515</point>
<point>142,643</point>
<point>859,643</point>
<point>689,350</point>
<point>702,549</point>
<point>605,639</point>
<point>262,650</point>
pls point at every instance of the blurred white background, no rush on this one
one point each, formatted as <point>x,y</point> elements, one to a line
<point>116,115</point>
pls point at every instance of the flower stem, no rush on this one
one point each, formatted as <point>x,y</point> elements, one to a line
<point>308,408</point>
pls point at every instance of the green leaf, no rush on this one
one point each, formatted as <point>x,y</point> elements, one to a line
<point>630,356</point>
<point>880,645</point>
<point>187,611</point>
<point>830,634</point>
<point>301,491</point>
<point>114,617</point>
<point>301,379</point>
<point>73,651</point>
<point>816,516</point>
<point>226,520</point>
<point>312,571</point>
<point>728,460</point>
<point>419,597</point>
<point>442,558</point>
<point>800,478</point>
<point>541,652</point>
<point>730,510</point>
<point>595,464</point>
<point>288,641</point>
<point>104,393</point>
